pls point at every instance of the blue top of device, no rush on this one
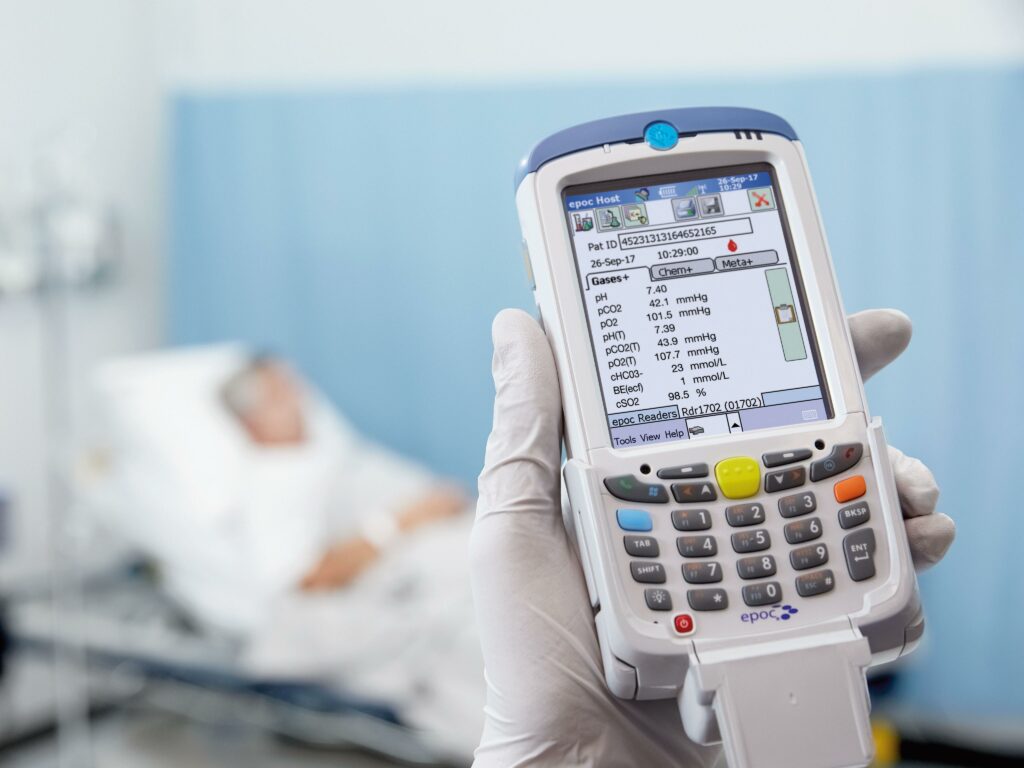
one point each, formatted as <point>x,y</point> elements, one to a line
<point>661,130</point>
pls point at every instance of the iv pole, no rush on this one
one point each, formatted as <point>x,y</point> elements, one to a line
<point>71,696</point>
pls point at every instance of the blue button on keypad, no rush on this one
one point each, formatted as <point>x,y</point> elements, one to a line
<point>633,519</point>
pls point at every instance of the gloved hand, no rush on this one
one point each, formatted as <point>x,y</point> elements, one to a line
<point>547,703</point>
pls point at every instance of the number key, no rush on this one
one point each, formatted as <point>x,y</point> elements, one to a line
<point>797,504</point>
<point>702,573</point>
<point>691,519</point>
<point>803,530</point>
<point>744,514</point>
<point>751,541</point>
<point>697,546</point>
<point>808,557</point>
<point>756,567</point>
<point>762,593</point>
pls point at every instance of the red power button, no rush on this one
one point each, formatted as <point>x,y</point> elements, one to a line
<point>684,624</point>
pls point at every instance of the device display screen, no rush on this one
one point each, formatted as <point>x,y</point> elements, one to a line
<point>694,305</point>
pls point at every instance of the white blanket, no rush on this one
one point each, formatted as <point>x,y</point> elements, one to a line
<point>403,633</point>
<point>235,527</point>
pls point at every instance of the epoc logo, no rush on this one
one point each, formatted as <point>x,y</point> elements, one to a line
<point>775,613</point>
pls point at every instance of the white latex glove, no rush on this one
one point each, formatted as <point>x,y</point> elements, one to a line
<point>547,702</point>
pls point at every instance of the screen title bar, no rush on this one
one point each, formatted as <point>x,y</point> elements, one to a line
<point>667,191</point>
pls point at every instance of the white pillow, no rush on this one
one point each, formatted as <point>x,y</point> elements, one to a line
<point>164,416</point>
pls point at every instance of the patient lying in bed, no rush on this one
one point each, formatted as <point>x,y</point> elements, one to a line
<point>329,558</point>
<point>267,400</point>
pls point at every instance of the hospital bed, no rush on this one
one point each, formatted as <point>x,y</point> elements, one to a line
<point>163,448</point>
<point>142,653</point>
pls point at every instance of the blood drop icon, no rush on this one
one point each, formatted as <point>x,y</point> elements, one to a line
<point>732,246</point>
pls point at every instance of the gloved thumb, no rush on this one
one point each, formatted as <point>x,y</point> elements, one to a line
<point>521,466</point>
<point>520,560</point>
<point>879,337</point>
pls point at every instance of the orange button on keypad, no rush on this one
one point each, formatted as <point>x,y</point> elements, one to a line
<point>851,488</point>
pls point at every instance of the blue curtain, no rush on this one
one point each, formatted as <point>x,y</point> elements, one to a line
<point>371,237</point>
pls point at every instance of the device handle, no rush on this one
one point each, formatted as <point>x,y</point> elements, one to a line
<point>801,706</point>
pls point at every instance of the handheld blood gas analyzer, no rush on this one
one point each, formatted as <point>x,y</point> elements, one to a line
<point>734,505</point>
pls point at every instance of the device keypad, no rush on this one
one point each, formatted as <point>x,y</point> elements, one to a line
<point>762,593</point>
<point>707,599</point>
<point>751,541</point>
<point>798,504</point>
<point>785,479</point>
<point>859,548</point>
<point>648,573</point>
<point>629,488</point>
<point>683,472</point>
<point>811,556</point>
<point>691,519</point>
<point>658,599</point>
<point>697,546</point>
<point>756,567</point>
<point>686,493</point>
<point>854,515</point>
<point>815,583</point>
<point>744,514</point>
<point>706,572</point>
<point>802,555</point>
<point>779,458</point>
<point>641,546</point>
<point>800,531</point>
<point>842,457</point>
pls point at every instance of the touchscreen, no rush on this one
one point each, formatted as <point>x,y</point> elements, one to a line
<point>694,305</point>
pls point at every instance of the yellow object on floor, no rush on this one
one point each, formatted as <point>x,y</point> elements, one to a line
<point>887,744</point>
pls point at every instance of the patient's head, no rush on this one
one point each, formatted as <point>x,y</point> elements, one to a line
<point>267,400</point>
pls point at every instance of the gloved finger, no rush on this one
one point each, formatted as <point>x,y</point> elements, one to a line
<point>521,465</point>
<point>528,588</point>
<point>929,534</point>
<point>915,484</point>
<point>879,336</point>
<point>929,537</point>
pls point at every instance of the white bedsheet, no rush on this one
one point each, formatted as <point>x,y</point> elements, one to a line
<point>235,527</point>
<point>403,633</point>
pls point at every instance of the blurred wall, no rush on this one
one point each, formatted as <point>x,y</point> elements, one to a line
<point>259,43</point>
<point>81,106</point>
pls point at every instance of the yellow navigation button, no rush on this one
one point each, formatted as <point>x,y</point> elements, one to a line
<point>738,477</point>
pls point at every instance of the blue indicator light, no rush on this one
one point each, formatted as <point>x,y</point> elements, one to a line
<point>661,135</point>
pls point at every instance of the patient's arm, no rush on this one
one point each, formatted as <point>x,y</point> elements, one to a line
<point>344,561</point>
<point>438,504</point>
<point>340,564</point>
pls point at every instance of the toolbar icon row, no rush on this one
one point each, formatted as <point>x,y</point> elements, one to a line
<point>704,206</point>
<point>612,218</point>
